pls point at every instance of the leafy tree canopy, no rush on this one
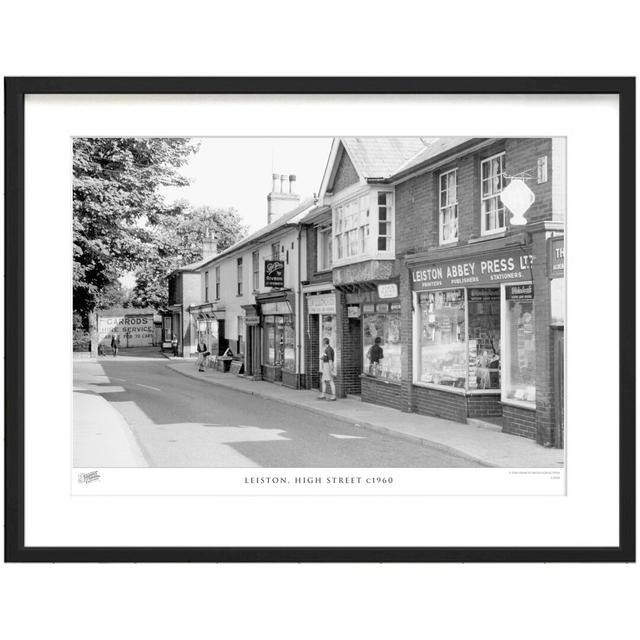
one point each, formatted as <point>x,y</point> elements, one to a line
<point>176,239</point>
<point>115,193</point>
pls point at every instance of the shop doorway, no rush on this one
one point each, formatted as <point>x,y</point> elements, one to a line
<point>351,358</point>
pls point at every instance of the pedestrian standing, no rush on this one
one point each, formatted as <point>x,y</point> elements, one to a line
<point>375,354</point>
<point>203,354</point>
<point>115,344</point>
<point>328,370</point>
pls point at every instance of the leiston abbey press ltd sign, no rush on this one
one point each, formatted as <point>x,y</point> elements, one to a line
<point>506,266</point>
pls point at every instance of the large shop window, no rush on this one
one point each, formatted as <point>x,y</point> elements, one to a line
<point>452,354</point>
<point>381,341</point>
<point>279,341</point>
<point>443,352</point>
<point>520,374</point>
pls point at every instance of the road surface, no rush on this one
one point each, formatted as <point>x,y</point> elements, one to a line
<point>182,422</point>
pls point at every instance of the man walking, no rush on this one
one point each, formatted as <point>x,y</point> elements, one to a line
<point>115,343</point>
<point>327,368</point>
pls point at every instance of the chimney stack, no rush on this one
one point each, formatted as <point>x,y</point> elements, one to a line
<point>209,245</point>
<point>282,198</point>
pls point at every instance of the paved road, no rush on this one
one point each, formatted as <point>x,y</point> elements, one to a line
<point>181,422</point>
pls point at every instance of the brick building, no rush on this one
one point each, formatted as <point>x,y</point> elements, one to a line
<point>364,268</point>
<point>482,300</point>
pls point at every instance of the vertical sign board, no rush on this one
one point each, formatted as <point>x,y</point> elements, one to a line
<point>274,274</point>
<point>555,250</point>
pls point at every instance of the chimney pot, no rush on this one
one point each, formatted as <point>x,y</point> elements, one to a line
<point>292,180</point>
<point>276,182</point>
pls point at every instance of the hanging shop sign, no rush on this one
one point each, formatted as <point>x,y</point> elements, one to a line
<point>382,308</point>
<point>555,252</point>
<point>324,304</point>
<point>387,291</point>
<point>520,292</point>
<point>274,273</point>
<point>353,311</point>
<point>502,266</point>
<point>368,308</point>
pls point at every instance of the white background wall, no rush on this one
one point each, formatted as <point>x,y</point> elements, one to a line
<point>271,601</point>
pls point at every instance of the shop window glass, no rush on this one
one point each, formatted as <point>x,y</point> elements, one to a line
<point>382,357</point>
<point>289,345</point>
<point>443,351</point>
<point>270,340</point>
<point>520,383</point>
<point>484,338</point>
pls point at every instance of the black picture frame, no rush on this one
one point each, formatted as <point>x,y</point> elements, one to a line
<point>15,91</point>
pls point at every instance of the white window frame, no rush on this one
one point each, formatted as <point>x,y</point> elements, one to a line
<point>206,286</point>
<point>355,232</point>
<point>324,235</point>
<point>483,230</point>
<point>443,210</point>
<point>218,282</point>
<point>255,270</point>
<point>240,276</point>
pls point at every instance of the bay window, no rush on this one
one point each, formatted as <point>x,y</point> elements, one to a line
<point>492,175</point>
<point>363,226</point>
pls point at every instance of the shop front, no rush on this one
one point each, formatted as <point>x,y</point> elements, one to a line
<point>278,332</point>
<point>320,324</point>
<point>208,322</point>
<point>474,338</point>
<point>371,342</point>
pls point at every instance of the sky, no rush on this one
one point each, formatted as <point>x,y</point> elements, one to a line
<point>236,172</point>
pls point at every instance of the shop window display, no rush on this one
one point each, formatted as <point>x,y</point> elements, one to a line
<point>279,341</point>
<point>520,383</point>
<point>381,343</point>
<point>443,350</point>
<point>484,338</point>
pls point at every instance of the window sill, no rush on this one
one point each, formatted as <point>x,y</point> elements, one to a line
<point>458,390</point>
<point>488,236</point>
<point>520,404</point>
<point>365,376</point>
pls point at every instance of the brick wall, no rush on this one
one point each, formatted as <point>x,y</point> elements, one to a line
<point>519,422</point>
<point>382,392</point>
<point>349,341</point>
<point>417,199</point>
<point>312,350</point>
<point>480,406</point>
<point>346,174</point>
<point>443,404</point>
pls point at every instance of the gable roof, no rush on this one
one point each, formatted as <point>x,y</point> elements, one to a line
<point>378,158</point>
<point>373,158</point>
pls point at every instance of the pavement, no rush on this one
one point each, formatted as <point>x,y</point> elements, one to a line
<point>476,443</point>
<point>180,421</point>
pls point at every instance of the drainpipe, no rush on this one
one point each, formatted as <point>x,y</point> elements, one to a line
<point>299,308</point>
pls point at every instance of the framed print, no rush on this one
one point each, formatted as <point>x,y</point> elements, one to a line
<point>320,319</point>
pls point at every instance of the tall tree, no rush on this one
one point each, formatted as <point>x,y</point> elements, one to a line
<point>176,239</point>
<point>115,192</point>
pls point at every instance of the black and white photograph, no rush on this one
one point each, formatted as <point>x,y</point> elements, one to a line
<point>318,302</point>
